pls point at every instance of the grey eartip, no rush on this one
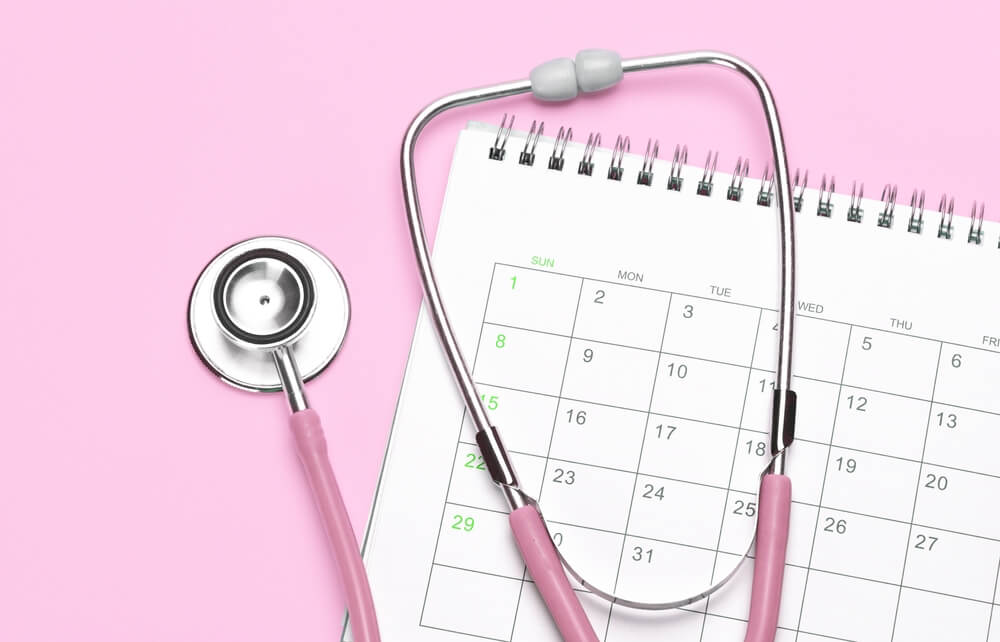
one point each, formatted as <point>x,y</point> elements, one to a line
<point>554,80</point>
<point>563,78</point>
<point>598,69</point>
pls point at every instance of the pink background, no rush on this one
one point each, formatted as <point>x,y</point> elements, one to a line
<point>141,499</point>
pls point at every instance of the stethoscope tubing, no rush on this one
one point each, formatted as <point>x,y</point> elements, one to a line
<point>540,555</point>
<point>310,445</point>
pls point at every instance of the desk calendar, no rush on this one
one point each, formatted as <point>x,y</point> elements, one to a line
<point>622,336</point>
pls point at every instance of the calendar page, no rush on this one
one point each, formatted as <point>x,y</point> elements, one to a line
<point>623,339</point>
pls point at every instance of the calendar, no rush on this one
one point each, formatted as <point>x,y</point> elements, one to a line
<point>623,339</point>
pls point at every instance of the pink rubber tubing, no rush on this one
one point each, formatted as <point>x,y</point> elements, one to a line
<point>775,504</point>
<point>311,445</point>
<point>543,563</point>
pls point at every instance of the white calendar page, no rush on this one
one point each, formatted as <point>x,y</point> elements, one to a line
<point>623,338</point>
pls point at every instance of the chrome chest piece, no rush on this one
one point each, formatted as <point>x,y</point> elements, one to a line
<point>261,294</point>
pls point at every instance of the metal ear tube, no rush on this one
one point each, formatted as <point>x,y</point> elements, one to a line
<point>559,80</point>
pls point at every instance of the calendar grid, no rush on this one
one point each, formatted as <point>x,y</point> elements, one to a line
<point>834,444</point>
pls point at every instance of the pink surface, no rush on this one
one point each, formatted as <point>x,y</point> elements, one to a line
<point>546,569</point>
<point>140,498</point>
<point>310,443</point>
<point>775,502</point>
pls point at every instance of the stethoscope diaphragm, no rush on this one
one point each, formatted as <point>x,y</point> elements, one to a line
<point>261,293</point>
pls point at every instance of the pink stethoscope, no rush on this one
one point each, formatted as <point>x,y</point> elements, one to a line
<point>265,315</point>
<point>559,80</point>
<point>269,313</point>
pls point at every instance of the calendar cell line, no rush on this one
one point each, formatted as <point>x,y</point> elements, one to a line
<point>506,576</point>
<point>732,426</point>
<point>916,492</point>
<point>816,526</point>
<point>534,300</point>
<point>561,384</point>
<point>856,326</point>
<point>628,285</point>
<point>722,520</point>
<point>989,622</point>
<point>545,473</point>
<point>797,377</point>
<point>444,505</point>
<point>635,482</point>
<point>457,632</point>
<point>673,353</point>
<point>799,502</point>
<point>802,567</point>
<point>735,427</point>
<point>916,524</point>
<point>889,393</point>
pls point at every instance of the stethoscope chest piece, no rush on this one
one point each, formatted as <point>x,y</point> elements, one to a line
<point>260,294</point>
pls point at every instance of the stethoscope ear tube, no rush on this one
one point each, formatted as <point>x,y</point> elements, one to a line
<point>775,490</point>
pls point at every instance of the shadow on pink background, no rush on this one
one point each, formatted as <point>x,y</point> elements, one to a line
<point>141,499</point>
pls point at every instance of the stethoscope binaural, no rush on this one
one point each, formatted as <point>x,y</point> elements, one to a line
<point>559,80</point>
<point>257,311</point>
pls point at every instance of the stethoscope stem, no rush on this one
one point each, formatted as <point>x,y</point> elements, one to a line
<point>291,379</point>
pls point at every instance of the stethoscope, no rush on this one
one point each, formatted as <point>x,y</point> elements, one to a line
<point>270,312</point>
<point>563,79</point>
<point>265,315</point>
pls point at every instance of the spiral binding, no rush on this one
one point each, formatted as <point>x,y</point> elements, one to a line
<point>854,211</point>
<point>735,192</point>
<point>798,191</point>
<point>676,182</point>
<point>622,147</point>
<point>888,199</point>
<point>527,156</point>
<point>916,224</point>
<point>946,209</point>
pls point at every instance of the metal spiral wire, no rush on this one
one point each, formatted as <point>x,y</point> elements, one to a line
<point>885,206</point>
